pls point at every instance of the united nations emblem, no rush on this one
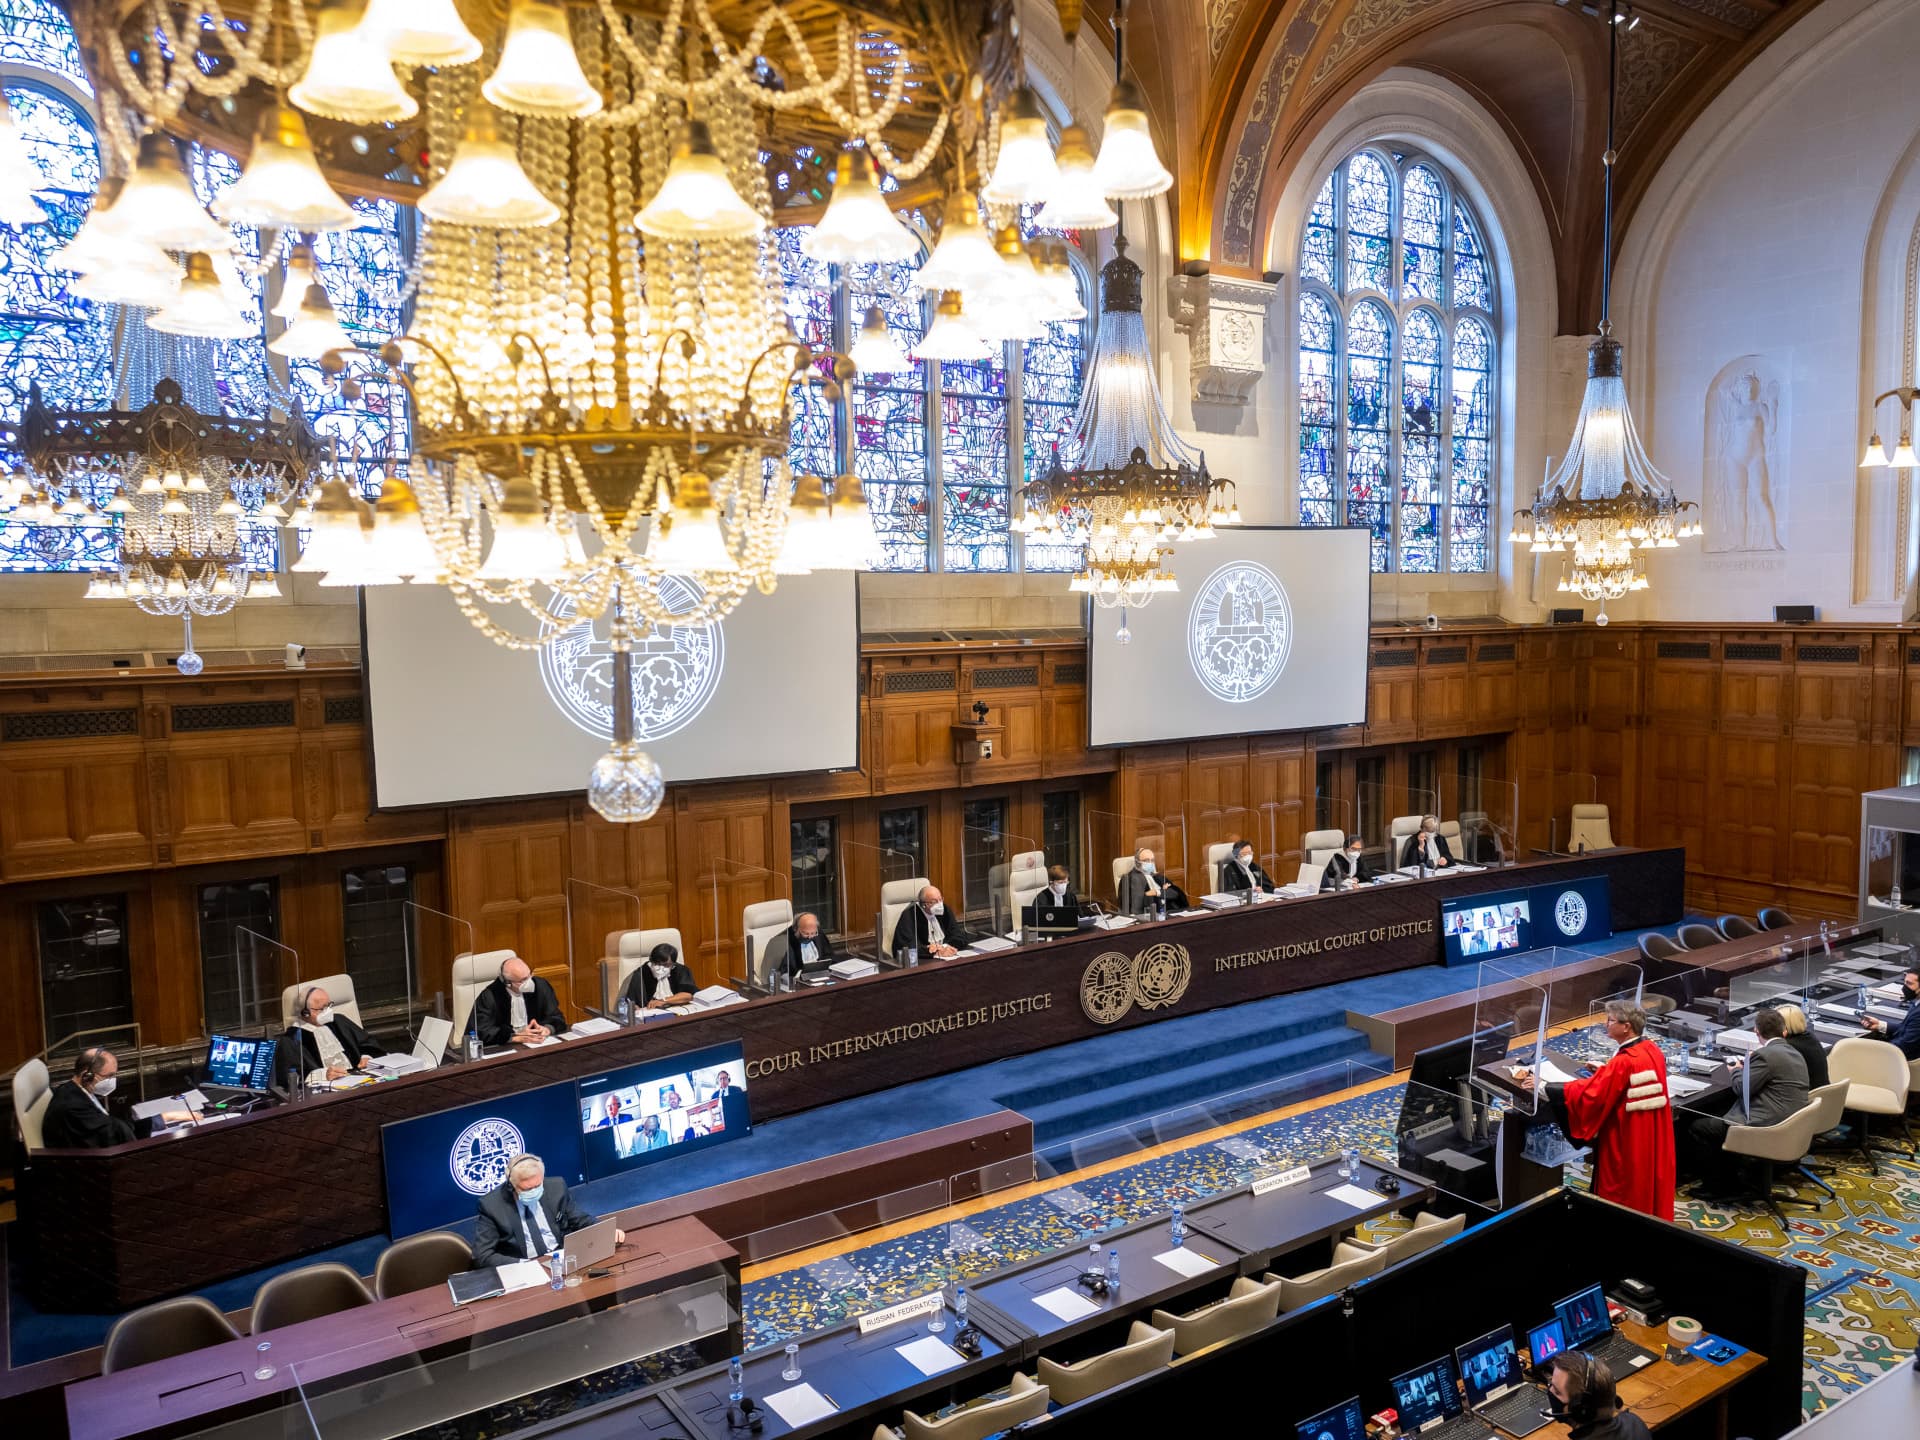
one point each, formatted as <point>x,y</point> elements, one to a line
<point>1239,631</point>
<point>1161,974</point>
<point>1106,987</point>
<point>479,1157</point>
<point>675,670</point>
<point>1570,912</point>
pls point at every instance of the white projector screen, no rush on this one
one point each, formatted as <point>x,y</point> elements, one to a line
<point>1267,632</point>
<point>773,689</point>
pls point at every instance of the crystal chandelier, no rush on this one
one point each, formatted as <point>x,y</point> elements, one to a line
<point>1606,501</point>
<point>1138,489</point>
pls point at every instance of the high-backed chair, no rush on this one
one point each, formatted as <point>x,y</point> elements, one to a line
<point>1695,936</point>
<point>1024,1400</point>
<point>163,1330</point>
<point>472,973</point>
<point>1656,946</point>
<point>1736,927</point>
<point>1320,845</point>
<point>32,1090</point>
<point>1249,1305</point>
<point>420,1261</point>
<point>339,990</point>
<point>1590,828</point>
<point>895,896</point>
<point>1146,1349</point>
<point>760,922</point>
<point>1400,830</point>
<point>1783,1143</point>
<point>625,952</point>
<point>1878,1079</point>
<point>307,1294</point>
<point>1121,865</point>
<point>1026,878</point>
<point>1450,832</point>
<point>1771,917</point>
<point>1428,1230</point>
<point>1302,1290</point>
<point>1217,856</point>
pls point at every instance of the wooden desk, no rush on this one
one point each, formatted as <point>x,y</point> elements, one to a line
<point>193,1390</point>
<point>121,1227</point>
<point>1662,1392</point>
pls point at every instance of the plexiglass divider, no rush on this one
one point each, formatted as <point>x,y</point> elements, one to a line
<point>992,863</point>
<point>1113,840</point>
<point>434,940</point>
<point>1548,798</point>
<point>747,906</point>
<point>595,914</point>
<point>1214,827</point>
<point>1377,807</point>
<point>859,896</point>
<point>262,969</point>
<point>1537,1010</point>
<point>1489,824</point>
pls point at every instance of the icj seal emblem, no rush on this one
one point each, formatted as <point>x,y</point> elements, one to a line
<point>1239,631</point>
<point>1570,912</point>
<point>675,669</point>
<point>479,1157</point>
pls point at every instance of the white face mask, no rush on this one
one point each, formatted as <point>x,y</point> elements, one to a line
<point>104,1088</point>
<point>660,972</point>
<point>1246,861</point>
<point>324,1015</point>
<point>1059,887</point>
<point>938,907</point>
<point>525,987</point>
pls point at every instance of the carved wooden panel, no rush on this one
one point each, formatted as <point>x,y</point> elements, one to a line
<point>66,811</point>
<point>1744,819</point>
<point>1824,813</point>
<point>731,849</point>
<point>915,745</point>
<point>236,795</point>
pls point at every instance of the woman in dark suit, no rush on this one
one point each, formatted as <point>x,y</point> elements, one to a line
<point>1810,1048</point>
<point>1428,841</point>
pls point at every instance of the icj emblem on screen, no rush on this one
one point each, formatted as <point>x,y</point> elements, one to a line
<point>1239,631</point>
<point>675,669</point>
<point>479,1157</point>
<point>1570,912</point>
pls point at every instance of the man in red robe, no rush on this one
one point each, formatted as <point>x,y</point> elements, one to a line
<point>1622,1109</point>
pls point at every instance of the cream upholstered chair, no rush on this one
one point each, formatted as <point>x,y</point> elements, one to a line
<point>472,973</point>
<point>1428,1231</point>
<point>1401,829</point>
<point>1320,845</point>
<point>1450,832</point>
<point>339,990</point>
<point>1216,861</point>
<point>760,922</point>
<point>1121,865</point>
<point>1146,1349</point>
<point>1026,878</point>
<point>1783,1143</point>
<point>1590,828</point>
<point>1303,1290</point>
<point>626,951</point>
<point>895,896</point>
<point>32,1090</point>
<point>1878,1078</point>
<point>1311,875</point>
<point>1024,1400</point>
<point>1249,1305</point>
<point>1832,1103</point>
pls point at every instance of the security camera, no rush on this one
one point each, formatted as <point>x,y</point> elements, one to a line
<point>296,657</point>
<point>986,749</point>
<point>1432,622</point>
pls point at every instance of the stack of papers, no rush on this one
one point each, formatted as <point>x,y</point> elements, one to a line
<point>1116,922</point>
<point>853,968</point>
<point>1223,900</point>
<point>593,1025</point>
<point>714,996</point>
<point>396,1064</point>
<point>801,1405</point>
<point>1460,867</point>
<point>930,1355</point>
<point>522,1275</point>
<point>1681,1086</point>
<point>1747,1040</point>
<point>1886,992</point>
<point>990,943</point>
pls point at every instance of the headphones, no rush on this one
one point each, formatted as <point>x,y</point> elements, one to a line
<point>87,1062</point>
<point>1584,1394</point>
<point>306,1001</point>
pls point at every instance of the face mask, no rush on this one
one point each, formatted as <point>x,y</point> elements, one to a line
<point>1247,861</point>
<point>809,939</point>
<point>104,1088</point>
<point>934,909</point>
<point>660,972</point>
<point>1059,887</point>
<point>529,1197</point>
<point>1146,867</point>
<point>324,1016</point>
<point>525,987</point>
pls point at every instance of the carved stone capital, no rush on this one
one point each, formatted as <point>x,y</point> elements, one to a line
<point>1225,322</point>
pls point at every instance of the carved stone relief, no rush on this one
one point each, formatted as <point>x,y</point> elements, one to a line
<point>1746,444</point>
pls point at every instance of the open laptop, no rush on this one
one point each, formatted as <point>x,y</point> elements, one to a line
<point>591,1245</point>
<point>435,1035</point>
<point>1497,1391</point>
<point>1345,1421</point>
<point>1589,1328</point>
<point>1429,1404</point>
<point>1051,918</point>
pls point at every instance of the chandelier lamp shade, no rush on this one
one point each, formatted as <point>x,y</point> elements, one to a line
<point>486,187</point>
<point>1606,501</point>
<point>1903,457</point>
<point>282,187</point>
<point>857,227</point>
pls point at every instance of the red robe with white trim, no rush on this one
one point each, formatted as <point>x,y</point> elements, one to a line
<point>1623,1111</point>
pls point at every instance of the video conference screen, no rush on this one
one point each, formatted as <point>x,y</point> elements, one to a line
<point>533,722</point>
<point>240,1064</point>
<point>1481,925</point>
<point>1268,632</point>
<point>1345,1421</point>
<point>438,1166</point>
<point>646,1113</point>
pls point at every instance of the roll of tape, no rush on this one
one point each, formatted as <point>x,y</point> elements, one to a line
<point>1683,1330</point>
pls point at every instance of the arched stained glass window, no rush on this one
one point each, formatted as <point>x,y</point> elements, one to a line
<point>890,421</point>
<point>807,286</point>
<point>364,270</point>
<point>38,33</point>
<point>1396,320</point>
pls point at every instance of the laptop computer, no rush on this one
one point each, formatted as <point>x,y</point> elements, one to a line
<point>1050,918</point>
<point>1429,1404</point>
<point>1589,1328</point>
<point>1497,1391</point>
<point>591,1245</point>
<point>1345,1421</point>
<point>1544,1341</point>
<point>435,1034</point>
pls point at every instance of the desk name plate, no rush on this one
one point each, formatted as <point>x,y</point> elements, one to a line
<point>906,1310</point>
<point>1283,1179</point>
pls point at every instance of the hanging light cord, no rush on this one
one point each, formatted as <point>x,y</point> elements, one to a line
<point>1606,222</point>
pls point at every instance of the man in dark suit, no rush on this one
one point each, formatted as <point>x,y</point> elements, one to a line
<point>77,1117</point>
<point>804,947</point>
<point>516,1008</point>
<point>1142,887</point>
<point>1243,872</point>
<point>1772,1088</point>
<point>1905,1032</point>
<point>1428,844</point>
<point>528,1216</point>
<point>1348,868</point>
<point>662,982</point>
<point>928,928</point>
<point>733,1102</point>
<point>325,1045</point>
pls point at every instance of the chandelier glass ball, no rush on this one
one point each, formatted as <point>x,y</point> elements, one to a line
<point>626,786</point>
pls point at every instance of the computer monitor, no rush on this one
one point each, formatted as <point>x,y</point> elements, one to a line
<point>1426,1394</point>
<point>645,1113</point>
<point>1345,1421</point>
<point>1546,1340</point>
<point>1584,1315</point>
<point>1488,1365</point>
<point>1048,918</point>
<point>1476,926</point>
<point>238,1063</point>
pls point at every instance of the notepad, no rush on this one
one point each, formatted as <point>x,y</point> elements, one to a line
<point>1552,1074</point>
<point>1066,1304</point>
<point>1190,1263</point>
<point>1353,1195</point>
<point>801,1405</point>
<point>523,1275</point>
<point>544,1040</point>
<point>592,1025</point>
<point>987,944</point>
<point>930,1355</point>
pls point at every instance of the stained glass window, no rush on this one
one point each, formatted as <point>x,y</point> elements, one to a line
<point>974,477</point>
<point>1396,312</point>
<point>1050,376</point>
<point>890,422</point>
<point>240,374</point>
<point>38,33</point>
<point>808,289</point>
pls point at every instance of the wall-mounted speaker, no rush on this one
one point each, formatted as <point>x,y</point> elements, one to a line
<point>1566,617</point>
<point>1796,614</point>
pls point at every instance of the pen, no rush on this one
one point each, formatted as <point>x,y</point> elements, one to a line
<point>829,1399</point>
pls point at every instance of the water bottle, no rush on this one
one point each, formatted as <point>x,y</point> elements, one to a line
<point>1159,907</point>
<point>1177,1227</point>
<point>1113,1271</point>
<point>473,1043</point>
<point>736,1380</point>
<point>960,1306</point>
<point>913,957</point>
<point>557,1270</point>
<point>1863,997</point>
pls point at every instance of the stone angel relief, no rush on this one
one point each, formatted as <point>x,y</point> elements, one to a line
<point>1745,478</point>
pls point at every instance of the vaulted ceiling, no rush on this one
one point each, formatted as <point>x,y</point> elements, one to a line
<point>1241,87</point>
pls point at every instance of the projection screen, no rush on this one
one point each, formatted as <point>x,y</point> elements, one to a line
<point>773,689</point>
<point>1267,632</point>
